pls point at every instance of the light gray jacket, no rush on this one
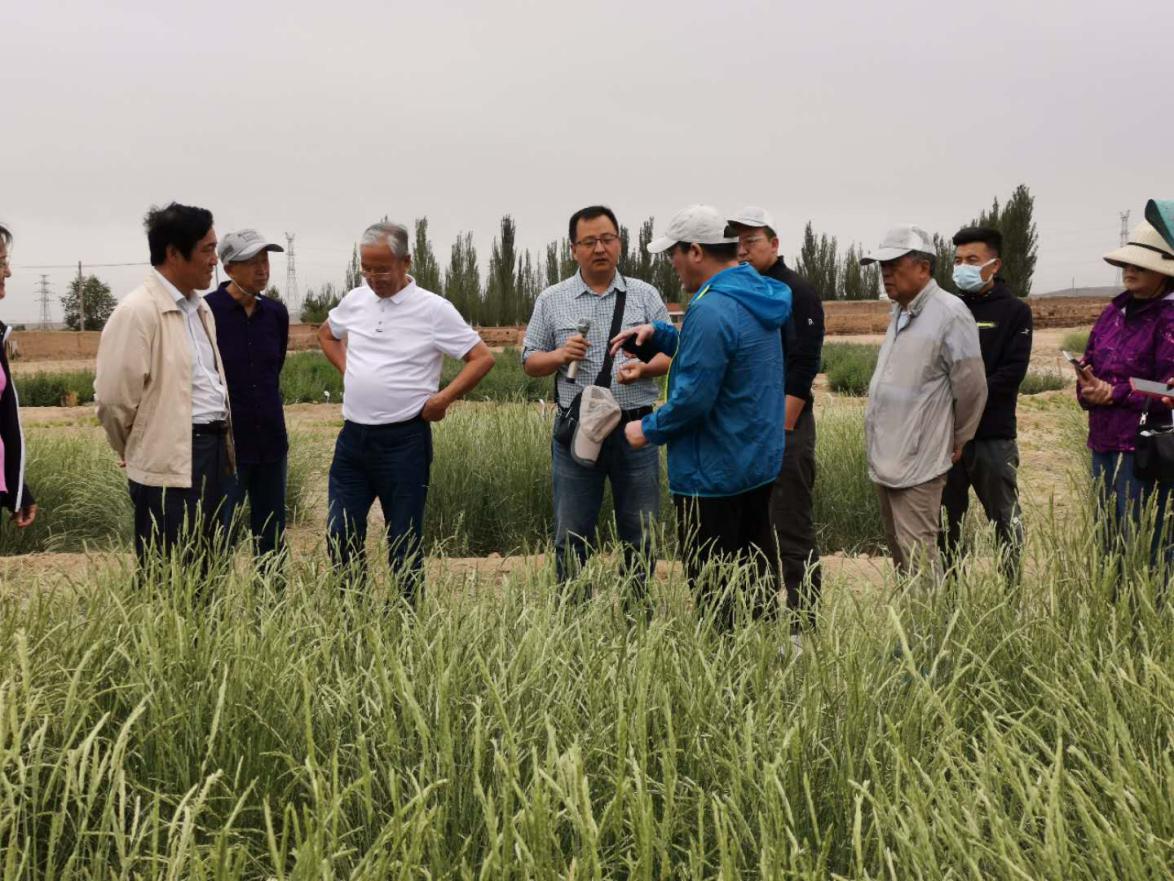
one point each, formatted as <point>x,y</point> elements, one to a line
<point>928,391</point>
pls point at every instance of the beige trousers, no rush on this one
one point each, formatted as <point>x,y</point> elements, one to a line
<point>912,519</point>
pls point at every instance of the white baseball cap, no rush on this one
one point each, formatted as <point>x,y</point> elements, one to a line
<point>599,414</point>
<point>244,244</point>
<point>898,242</point>
<point>752,215</point>
<point>697,224</point>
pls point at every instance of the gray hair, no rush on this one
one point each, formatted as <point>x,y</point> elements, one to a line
<point>391,234</point>
<point>924,257</point>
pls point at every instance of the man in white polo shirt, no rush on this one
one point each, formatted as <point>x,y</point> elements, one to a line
<point>388,338</point>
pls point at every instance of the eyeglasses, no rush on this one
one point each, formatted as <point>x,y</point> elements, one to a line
<point>367,273</point>
<point>751,240</point>
<point>607,241</point>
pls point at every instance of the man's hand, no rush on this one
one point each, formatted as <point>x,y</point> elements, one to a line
<point>642,333</point>
<point>1095,391</point>
<point>634,432</point>
<point>1169,401</point>
<point>575,348</point>
<point>630,371</point>
<point>25,516</point>
<point>435,408</point>
<point>956,456</point>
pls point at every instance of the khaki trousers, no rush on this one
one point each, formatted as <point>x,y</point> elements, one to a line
<point>912,519</point>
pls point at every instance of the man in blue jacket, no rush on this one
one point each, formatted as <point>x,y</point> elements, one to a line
<point>723,421</point>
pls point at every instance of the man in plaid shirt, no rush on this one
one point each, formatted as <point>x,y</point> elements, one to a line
<point>552,344</point>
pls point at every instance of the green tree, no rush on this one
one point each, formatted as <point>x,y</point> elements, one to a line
<point>559,262</point>
<point>353,278</point>
<point>819,263</point>
<point>641,261</point>
<point>316,306</point>
<point>462,279</point>
<point>943,271</point>
<point>94,304</point>
<point>854,278</point>
<point>425,268</point>
<point>529,286</point>
<point>1020,240</point>
<point>272,293</point>
<point>501,284</point>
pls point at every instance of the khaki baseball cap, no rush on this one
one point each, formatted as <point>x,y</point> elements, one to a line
<point>599,414</point>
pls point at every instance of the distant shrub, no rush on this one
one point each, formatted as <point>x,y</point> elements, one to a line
<point>1075,341</point>
<point>50,389</point>
<point>849,367</point>
<point>1038,381</point>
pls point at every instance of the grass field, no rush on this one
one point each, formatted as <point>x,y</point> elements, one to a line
<point>228,727</point>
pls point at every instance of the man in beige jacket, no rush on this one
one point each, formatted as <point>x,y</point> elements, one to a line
<point>161,393</point>
<point>925,400</point>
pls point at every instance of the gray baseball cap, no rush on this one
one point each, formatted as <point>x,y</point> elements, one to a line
<point>244,244</point>
<point>898,242</point>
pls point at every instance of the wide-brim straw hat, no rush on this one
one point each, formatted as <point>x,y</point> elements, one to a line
<point>1146,248</point>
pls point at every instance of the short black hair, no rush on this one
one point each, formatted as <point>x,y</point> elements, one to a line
<point>5,235</point>
<point>770,233</point>
<point>725,252</point>
<point>924,257</point>
<point>590,213</point>
<point>989,236</point>
<point>180,226</point>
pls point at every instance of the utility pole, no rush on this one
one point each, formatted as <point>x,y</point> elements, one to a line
<point>292,300</point>
<point>43,296</point>
<point>81,298</point>
<point>1124,242</point>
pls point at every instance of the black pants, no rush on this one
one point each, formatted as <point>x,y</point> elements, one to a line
<point>728,529</point>
<point>181,520</point>
<point>991,467</point>
<point>792,516</point>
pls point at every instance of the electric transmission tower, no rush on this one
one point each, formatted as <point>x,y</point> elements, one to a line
<point>1124,242</point>
<point>293,300</point>
<point>43,297</point>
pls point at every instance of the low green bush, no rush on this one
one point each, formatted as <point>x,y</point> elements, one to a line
<point>1075,341</point>
<point>849,367</point>
<point>50,389</point>
<point>1038,381</point>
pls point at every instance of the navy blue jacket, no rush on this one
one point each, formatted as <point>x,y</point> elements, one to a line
<point>253,351</point>
<point>723,421</point>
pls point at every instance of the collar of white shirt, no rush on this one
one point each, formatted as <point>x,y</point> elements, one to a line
<point>170,288</point>
<point>396,298</point>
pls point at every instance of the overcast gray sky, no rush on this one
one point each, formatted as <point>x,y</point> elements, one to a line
<point>319,118</point>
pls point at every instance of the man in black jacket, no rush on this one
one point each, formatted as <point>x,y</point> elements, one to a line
<point>990,462</point>
<point>792,497</point>
<point>15,494</point>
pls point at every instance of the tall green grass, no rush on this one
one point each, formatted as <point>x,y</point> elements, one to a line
<point>316,732</point>
<point>82,497</point>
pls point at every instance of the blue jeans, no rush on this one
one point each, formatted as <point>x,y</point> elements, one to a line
<point>578,497</point>
<point>1121,498</point>
<point>390,463</point>
<point>264,486</point>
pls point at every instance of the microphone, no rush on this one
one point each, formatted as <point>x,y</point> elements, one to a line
<point>573,368</point>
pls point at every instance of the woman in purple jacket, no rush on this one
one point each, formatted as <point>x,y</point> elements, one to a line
<point>1134,337</point>
<point>15,494</point>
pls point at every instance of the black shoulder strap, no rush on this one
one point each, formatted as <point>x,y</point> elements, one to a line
<point>617,321</point>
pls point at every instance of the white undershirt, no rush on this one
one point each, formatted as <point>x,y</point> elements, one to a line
<point>209,400</point>
<point>395,348</point>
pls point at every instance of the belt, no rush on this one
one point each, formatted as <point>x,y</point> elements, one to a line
<point>219,427</point>
<point>633,415</point>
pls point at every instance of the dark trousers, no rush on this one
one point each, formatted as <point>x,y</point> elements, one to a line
<point>992,468</point>
<point>1121,501</point>
<point>578,497</point>
<point>792,515</point>
<point>264,487</point>
<point>185,521</point>
<point>728,529</point>
<point>390,463</point>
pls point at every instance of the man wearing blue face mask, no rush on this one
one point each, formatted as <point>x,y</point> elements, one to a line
<point>990,462</point>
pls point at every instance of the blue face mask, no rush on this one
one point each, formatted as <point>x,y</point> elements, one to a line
<point>969,278</point>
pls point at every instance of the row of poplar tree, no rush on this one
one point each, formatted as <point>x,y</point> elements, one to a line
<point>515,277</point>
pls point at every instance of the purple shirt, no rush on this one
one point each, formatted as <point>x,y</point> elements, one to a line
<point>252,348</point>
<point>1120,347</point>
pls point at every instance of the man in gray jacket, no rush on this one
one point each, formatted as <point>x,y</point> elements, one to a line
<point>926,396</point>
